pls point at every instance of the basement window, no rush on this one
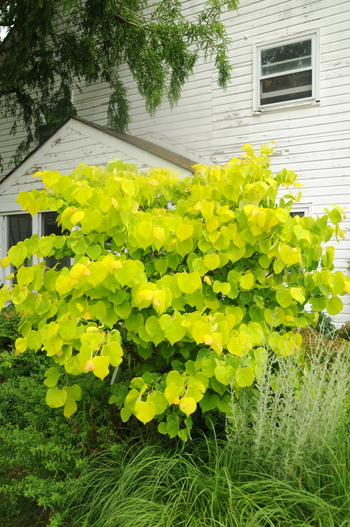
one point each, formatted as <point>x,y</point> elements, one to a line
<point>301,210</point>
<point>286,73</point>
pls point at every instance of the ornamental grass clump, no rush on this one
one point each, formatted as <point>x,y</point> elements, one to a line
<point>297,412</point>
<point>206,483</point>
<point>178,288</point>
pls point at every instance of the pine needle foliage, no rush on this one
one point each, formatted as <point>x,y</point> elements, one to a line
<point>55,46</point>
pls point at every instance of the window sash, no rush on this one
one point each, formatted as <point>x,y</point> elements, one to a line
<point>295,60</point>
<point>297,55</point>
<point>19,226</point>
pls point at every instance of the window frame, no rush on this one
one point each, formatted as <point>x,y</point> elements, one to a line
<point>315,69</point>
<point>306,208</point>
<point>37,228</point>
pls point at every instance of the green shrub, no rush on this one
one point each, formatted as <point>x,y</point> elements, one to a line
<point>186,284</point>
<point>326,327</point>
<point>9,322</point>
<point>42,452</point>
<point>344,331</point>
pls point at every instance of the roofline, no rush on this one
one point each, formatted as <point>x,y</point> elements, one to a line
<point>160,151</point>
<point>143,144</point>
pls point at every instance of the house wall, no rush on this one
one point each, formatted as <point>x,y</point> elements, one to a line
<point>75,142</point>
<point>313,140</point>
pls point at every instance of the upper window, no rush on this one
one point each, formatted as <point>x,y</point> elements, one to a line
<point>286,72</point>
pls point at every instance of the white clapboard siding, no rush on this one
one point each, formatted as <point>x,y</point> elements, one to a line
<point>208,122</point>
<point>77,142</point>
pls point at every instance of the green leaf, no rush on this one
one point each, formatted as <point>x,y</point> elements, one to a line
<point>17,255</point>
<point>172,392</point>
<point>125,274</point>
<point>244,376</point>
<point>45,245</point>
<point>55,398</point>
<point>114,351</point>
<point>159,401</point>
<point>208,368</point>
<point>224,374</point>
<point>94,251</point>
<point>131,399</point>
<point>297,294</point>
<point>199,267</point>
<point>145,411</point>
<point>172,425</point>
<point>133,322</point>
<point>274,317</point>
<point>67,328</point>
<point>20,345</point>
<point>125,414</point>
<point>246,281</point>
<point>335,216</point>
<point>189,283</point>
<point>284,297</point>
<point>25,275</point>
<point>154,330</point>
<point>64,284</point>
<point>102,367</point>
<point>290,255</point>
<point>318,303</point>
<point>173,329</point>
<point>53,345</point>
<point>334,305</point>
<point>225,404</point>
<point>73,365</point>
<point>161,266</point>
<point>209,402</point>
<point>163,428</point>
<point>212,261</point>
<point>188,405</point>
<point>184,231</point>
<point>123,310</point>
<point>4,297</point>
<point>75,392</point>
<point>52,375</point>
<point>49,178</point>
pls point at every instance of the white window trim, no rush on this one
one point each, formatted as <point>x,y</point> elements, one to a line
<point>306,208</point>
<point>315,67</point>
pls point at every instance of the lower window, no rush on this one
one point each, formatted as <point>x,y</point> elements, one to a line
<point>20,226</point>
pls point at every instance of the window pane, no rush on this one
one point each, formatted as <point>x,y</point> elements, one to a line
<point>49,226</point>
<point>284,58</point>
<point>288,65</point>
<point>299,213</point>
<point>19,228</point>
<point>286,87</point>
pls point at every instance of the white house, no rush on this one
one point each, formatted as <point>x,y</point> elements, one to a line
<point>75,141</point>
<point>291,78</point>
